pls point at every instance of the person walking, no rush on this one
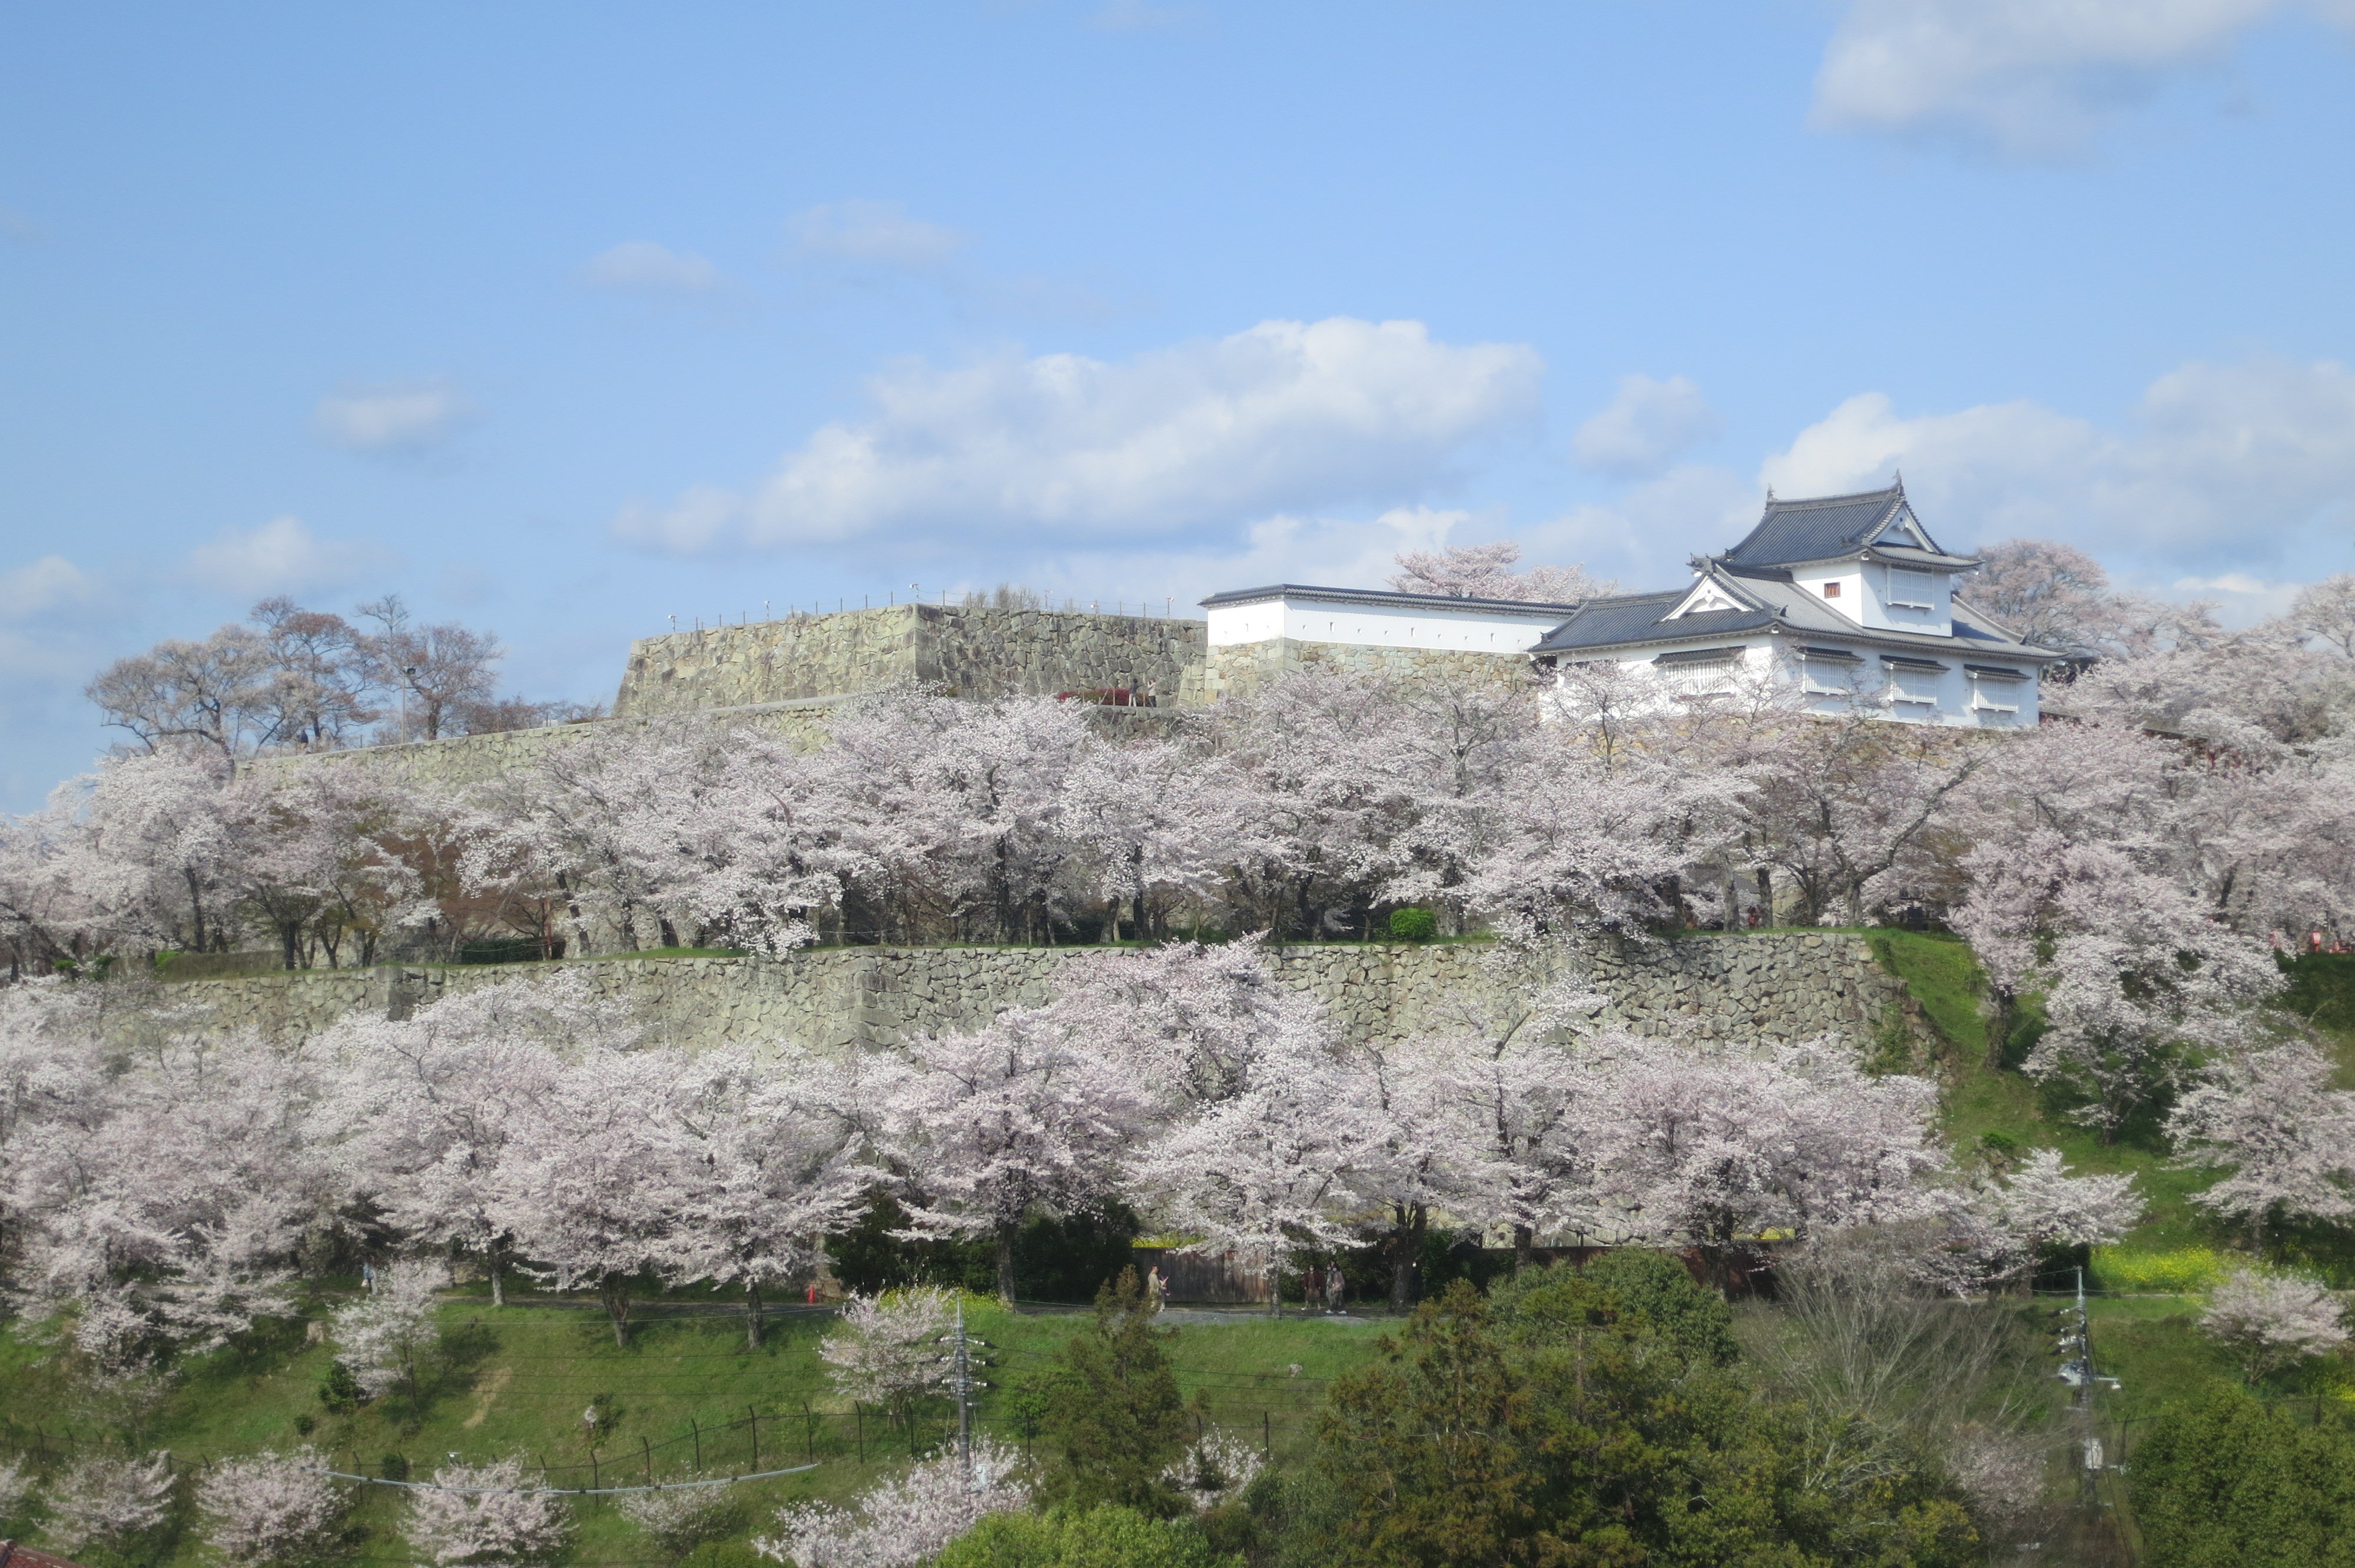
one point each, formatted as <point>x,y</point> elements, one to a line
<point>1335,1285</point>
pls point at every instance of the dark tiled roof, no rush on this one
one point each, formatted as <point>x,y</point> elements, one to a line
<point>1424,601</point>
<point>1815,530</point>
<point>1606,623</point>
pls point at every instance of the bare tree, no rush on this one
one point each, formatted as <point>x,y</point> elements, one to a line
<point>321,681</point>
<point>439,669</point>
<point>218,692</point>
<point>1891,1372</point>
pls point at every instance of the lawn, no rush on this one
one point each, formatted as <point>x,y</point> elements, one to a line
<point>519,1380</point>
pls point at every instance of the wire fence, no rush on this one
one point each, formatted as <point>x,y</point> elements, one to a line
<point>755,1445</point>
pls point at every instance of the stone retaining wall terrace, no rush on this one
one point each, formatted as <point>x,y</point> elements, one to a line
<point>1772,986</point>
<point>976,652</point>
<point>1244,667</point>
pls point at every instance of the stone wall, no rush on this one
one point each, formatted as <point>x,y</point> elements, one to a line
<point>1774,986</point>
<point>979,652</point>
<point>458,761</point>
<point>1244,667</point>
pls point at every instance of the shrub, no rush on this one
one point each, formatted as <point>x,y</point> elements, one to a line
<point>339,1390</point>
<point>1071,1539</point>
<point>1413,924</point>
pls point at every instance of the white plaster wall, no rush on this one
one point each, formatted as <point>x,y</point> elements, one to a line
<point>1953,689</point>
<point>1873,608</point>
<point>1380,626</point>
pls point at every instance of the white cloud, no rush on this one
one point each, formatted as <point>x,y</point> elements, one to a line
<point>1647,426</point>
<point>282,555</point>
<point>395,418</point>
<point>1644,537</point>
<point>2033,76</point>
<point>50,581</point>
<point>2240,599</point>
<point>876,233</point>
<point>1336,552</point>
<point>1284,418</point>
<point>2220,465</point>
<point>640,266</point>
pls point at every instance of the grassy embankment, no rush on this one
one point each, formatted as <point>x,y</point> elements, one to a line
<point>520,1379</point>
<point>2144,1320</point>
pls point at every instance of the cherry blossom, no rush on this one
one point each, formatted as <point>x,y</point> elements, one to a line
<point>382,1336</point>
<point>766,1182</point>
<point>2270,1117</point>
<point>266,1511</point>
<point>102,1500</point>
<point>499,1522</point>
<point>2272,1321</point>
<point>1217,1469</point>
<point>2042,1205</point>
<point>1486,571</point>
<point>902,1521</point>
<point>886,1349</point>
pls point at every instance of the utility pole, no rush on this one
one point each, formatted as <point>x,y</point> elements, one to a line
<point>961,1363</point>
<point>2077,1372</point>
<point>965,1401</point>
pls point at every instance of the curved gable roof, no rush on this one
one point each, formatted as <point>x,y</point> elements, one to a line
<point>1824,527</point>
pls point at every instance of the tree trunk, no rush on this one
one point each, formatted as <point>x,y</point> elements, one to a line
<point>1006,1265</point>
<point>1524,1239</point>
<point>1998,1030</point>
<point>752,1316</point>
<point>1409,1240</point>
<point>292,932</point>
<point>195,905</point>
<point>498,1275</point>
<point>615,1292</point>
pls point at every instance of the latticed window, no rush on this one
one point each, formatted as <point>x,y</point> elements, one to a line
<point>1915,684</point>
<point>1913,589</point>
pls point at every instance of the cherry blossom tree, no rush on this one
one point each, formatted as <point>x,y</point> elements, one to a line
<point>2040,1204</point>
<point>2270,1118</point>
<point>216,693</point>
<point>486,1516</point>
<point>902,1522</point>
<point>2047,594</point>
<point>420,1111</point>
<point>102,1500</point>
<point>153,849</point>
<point>1262,1170</point>
<point>595,1173</point>
<point>1486,571</point>
<point>767,1182</point>
<point>382,1336</point>
<point>988,1127</point>
<point>2082,889</point>
<point>1217,1469</point>
<point>156,1198</point>
<point>2271,1321</point>
<point>885,1349</point>
<point>1414,1145</point>
<point>679,1519</point>
<point>1707,1144</point>
<point>271,1512</point>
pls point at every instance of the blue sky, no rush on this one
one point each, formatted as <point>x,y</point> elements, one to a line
<point>563,320</point>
